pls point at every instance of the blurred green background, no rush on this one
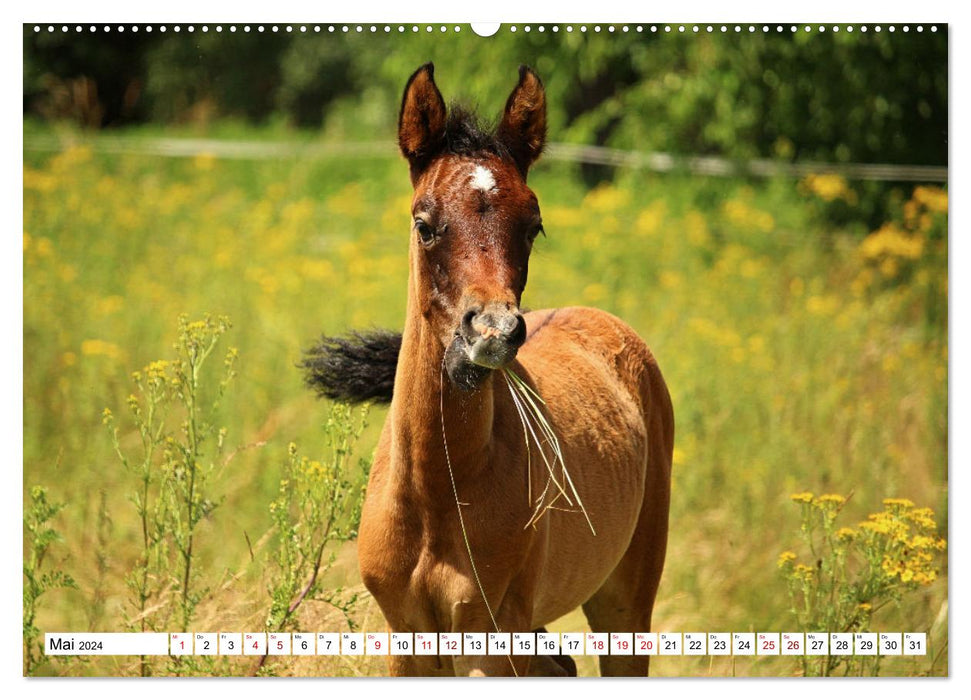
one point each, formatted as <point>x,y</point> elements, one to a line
<point>830,96</point>
<point>801,323</point>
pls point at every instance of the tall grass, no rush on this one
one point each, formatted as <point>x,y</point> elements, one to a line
<point>40,576</point>
<point>801,354</point>
<point>172,470</point>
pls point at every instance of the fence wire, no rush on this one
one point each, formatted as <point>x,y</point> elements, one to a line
<point>654,161</point>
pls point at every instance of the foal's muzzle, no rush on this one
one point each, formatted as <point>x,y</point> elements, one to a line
<point>493,334</point>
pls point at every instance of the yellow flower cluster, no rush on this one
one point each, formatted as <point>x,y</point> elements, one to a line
<point>826,500</point>
<point>891,241</point>
<point>311,469</point>
<point>829,188</point>
<point>917,569</point>
<point>832,498</point>
<point>921,517</point>
<point>606,198</point>
<point>896,244</point>
<point>931,198</point>
<point>884,523</point>
<point>157,370</point>
<point>96,347</point>
<point>803,572</point>
<point>845,534</point>
<point>906,538</point>
<point>822,305</point>
<point>904,533</point>
<point>744,215</point>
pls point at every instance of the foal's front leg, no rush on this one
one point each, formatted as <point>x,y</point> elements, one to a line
<point>472,616</point>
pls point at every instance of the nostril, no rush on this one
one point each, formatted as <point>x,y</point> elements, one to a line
<point>518,335</point>
<point>467,323</point>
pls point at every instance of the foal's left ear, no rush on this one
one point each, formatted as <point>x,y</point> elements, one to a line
<point>523,126</point>
<point>421,122</point>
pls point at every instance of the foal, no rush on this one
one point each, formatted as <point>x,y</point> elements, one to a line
<point>448,538</point>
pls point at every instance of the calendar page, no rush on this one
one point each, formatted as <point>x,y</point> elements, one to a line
<point>368,349</point>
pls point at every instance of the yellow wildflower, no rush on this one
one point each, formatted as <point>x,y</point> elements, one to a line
<point>921,542</point>
<point>802,571</point>
<point>891,566</point>
<point>845,534</point>
<point>832,498</point>
<point>878,526</point>
<point>786,558</point>
<point>825,305</point>
<point>650,219</point>
<point>829,187</point>
<point>157,370</point>
<point>922,517</point>
<point>606,198</point>
<point>804,497</point>
<point>934,198</point>
<point>94,347</point>
<point>890,241</point>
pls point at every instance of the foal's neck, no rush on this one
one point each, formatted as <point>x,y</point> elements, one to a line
<point>423,393</point>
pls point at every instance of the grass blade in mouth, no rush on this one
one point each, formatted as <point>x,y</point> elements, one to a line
<point>525,399</point>
<point>525,411</point>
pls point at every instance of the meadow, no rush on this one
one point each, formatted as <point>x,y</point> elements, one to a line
<point>805,351</point>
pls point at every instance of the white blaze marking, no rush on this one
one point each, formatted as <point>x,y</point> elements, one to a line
<point>482,179</point>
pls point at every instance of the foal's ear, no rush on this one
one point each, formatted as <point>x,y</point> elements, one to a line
<point>523,126</point>
<point>421,124</point>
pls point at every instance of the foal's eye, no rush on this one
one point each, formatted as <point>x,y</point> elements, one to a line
<point>426,234</point>
<point>535,231</point>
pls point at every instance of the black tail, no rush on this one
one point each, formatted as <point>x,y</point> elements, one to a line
<point>359,367</point>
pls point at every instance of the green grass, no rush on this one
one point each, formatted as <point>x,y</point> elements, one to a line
<point>796,359</point>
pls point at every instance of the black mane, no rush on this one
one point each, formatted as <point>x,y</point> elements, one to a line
<point>465,135</point>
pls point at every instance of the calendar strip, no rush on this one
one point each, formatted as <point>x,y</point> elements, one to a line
<point>488,644</point>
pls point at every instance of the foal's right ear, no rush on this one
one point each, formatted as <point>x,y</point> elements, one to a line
<point>421,124</point>
<point>523,125</point>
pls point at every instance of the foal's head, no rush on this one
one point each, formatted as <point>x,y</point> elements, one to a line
<point>473,220</point>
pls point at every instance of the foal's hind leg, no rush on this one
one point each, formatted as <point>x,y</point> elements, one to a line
<point>559,665</point>
<point>625,602</point>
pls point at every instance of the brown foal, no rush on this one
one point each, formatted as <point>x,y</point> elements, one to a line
<point>454,434</point>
